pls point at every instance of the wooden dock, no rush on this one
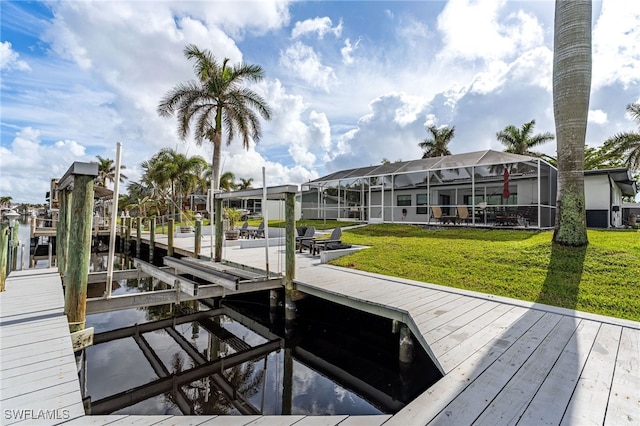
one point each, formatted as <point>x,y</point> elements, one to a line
<point>503,361</point>
<point>38,372</point>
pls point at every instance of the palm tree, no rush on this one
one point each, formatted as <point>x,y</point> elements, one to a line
<point>627,144</point>
<point>218,98</point>
<point>227,181</point>
<point>436,144</point>
<point>571,90</point>
<point>245,183</point>
<point>5,201</point>
<point>182,173</point>
<point>107,171</point>
<point>520,140</point>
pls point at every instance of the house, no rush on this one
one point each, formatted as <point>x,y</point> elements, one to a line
<point>495,188</point>
<point>604,190</point>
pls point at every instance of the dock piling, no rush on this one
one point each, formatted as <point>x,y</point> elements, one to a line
<point>171,229</point>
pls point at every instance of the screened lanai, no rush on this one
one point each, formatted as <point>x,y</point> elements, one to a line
<point>484,188</point>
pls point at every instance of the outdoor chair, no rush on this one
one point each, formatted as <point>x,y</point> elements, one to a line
<point>244,230</point>
<point>463,214</point>
<point>324,244</point>
<point>259,233</point>
<point>306,240</point>
<point>436,213</point>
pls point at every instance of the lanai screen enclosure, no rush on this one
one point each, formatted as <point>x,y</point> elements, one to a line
<point>408,191</point>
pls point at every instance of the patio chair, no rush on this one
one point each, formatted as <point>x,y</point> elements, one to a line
<point>324,244</point>
<point>259,233</point>
<point>463,214</point>
<point>436,213</point>
<point>306,240</point>
<point>244,230</point>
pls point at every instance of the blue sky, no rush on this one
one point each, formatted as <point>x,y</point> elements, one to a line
<point>350,83</point>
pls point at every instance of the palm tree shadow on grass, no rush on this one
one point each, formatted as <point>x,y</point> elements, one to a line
<point>562,283</point>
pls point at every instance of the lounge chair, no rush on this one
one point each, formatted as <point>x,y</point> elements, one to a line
<point>306,240</point>
<point>436,213</point>
<point>324,244</point>
<point>463,214</point>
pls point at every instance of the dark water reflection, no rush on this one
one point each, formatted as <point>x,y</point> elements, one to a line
<point>337,362</point>
<point>120,365</point>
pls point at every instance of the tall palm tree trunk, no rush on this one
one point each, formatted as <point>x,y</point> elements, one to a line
<point>571,90</point>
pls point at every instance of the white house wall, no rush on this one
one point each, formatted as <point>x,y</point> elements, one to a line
<point>597,190</point>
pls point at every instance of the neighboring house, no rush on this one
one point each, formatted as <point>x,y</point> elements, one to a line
<point>491,185</point>
<point>604,190</point>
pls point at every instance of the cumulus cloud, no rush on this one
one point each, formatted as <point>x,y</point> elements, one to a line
<point>9,58</point>
<point>305,63</point>
<point>597,116</point>
<point>318,26</point>
<point>616,44</point>
<point>28,164</point>
<point>493,37</point>
<point>392,130</point>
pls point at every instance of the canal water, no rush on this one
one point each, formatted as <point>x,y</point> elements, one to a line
<point>240,359</point>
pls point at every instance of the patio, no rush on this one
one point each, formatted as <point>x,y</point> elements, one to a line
<point>483,188</point>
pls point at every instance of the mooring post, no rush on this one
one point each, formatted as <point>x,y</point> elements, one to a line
<point>138,236</point>
<point>171,229</point>
<point>218,219</point>
<point>15,243</point>
<point>406,346</point>
<point>4,251</point>
<point>121,233</point>
<point>79,251</point>
<point>273,305</point>
<point>198,242</point>
<point>287,382</point>
<point>290,256</point>
<point>152,238</point>
<point>127,239</point>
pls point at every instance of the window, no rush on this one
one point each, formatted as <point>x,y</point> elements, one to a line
<point>422,200</point>
<point>404,200</point>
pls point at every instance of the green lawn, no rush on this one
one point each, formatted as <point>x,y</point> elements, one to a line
<point>603,278</point>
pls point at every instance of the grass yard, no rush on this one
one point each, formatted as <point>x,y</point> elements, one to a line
<point>603,278</point>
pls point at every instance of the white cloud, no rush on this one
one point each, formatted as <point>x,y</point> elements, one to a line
<point>28,164</point>
<point>347,51</point>
<point>597,116</point>
<point>616,44</point>
<point>319,26</point>
<point>474,30</point>
<point>9,58</point>
<point>305,63</point>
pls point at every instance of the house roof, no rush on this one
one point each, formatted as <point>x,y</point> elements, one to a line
<point>468,159</point>
<point>621,176</point>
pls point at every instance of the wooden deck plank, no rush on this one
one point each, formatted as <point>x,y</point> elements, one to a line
<point>401,295</point>
<point>549,403</point>
<point>276,420</point>
<point>321,420</point>
<point>424,303</point>
<point>513,399</point>
<point>624,399</point>
<point>466,406</point>
<point>374,420</point>
<point>185,420</point>
<point>589,401</point>
<point>37,366</point>
<point>97,420</point>
<point>462,334</point>
<point>459,321</point>
<point>431,320</point>
<point>427,405</point>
